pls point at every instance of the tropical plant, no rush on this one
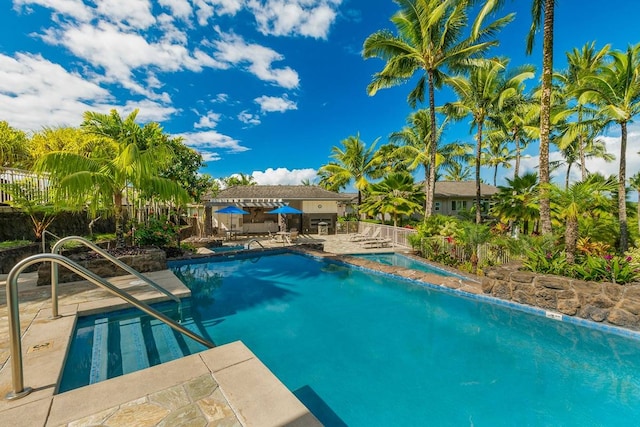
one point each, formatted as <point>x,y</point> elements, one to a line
<point>472,236</point>
<point>396,195</point>
<point>71,140</point>
<point>102,181</point>
<point>482,95</point>
<point>353,162</point>
<point>616,90</point>
<point>634,182</point>
<point>429,40</point>
<point>581,198</point>
<point>517,202</point>
<point>13,147</point>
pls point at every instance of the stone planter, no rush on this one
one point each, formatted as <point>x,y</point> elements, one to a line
<point>151,259</point>
<point>11,256</point>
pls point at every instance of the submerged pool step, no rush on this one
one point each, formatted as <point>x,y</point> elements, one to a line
<point>166,342</point>
<point>132,347</point>
<point>100,352</point>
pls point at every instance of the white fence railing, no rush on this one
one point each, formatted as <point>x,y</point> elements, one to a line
<point>32,185</point>
<point>399,236</point>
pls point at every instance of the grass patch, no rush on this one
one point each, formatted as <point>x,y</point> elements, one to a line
<point>8,244</point>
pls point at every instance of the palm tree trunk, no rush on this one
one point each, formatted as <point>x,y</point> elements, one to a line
<point>622,192</point>
<point>478,192</point>
<point>433,150</point>
<point>566,178</point>
<point>638,207</point>
<point>583,166</point>
<point>570,239</point>
<point>545,116</point>
<point>119,219</point>
<point>516,171</point>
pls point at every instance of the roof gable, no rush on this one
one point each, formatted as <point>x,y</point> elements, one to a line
<point>284,192</point>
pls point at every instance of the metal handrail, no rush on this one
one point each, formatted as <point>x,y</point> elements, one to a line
<point>14,316</point>
<point>54,271</point>
<point>44,243</point>
<point>256,241</point>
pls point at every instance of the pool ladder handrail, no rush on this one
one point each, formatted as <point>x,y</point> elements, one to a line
<point>57,247</point>
<point>13,307</point>
<point>254,241</point>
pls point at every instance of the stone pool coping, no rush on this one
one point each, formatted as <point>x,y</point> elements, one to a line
<point>226,385</point>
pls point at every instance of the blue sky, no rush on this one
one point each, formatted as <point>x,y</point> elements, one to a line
<point>262,87</point>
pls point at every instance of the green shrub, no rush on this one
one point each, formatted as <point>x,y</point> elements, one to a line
<point>609,268</point>
<point>7,244</point>
<point>159,232</point>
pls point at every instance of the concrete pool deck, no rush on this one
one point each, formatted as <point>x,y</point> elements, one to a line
<point>224,386</point>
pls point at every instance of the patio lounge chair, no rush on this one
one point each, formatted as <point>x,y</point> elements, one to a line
<point>362,236</point>
<point>377,243</point>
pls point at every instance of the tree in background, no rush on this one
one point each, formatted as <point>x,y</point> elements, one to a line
<point>239,179</point>
<point>101,182</point>
<point>396,195</point>
<point>353,162</point>
<point>429,40</point>
<point>13,147</point>
<point>616,90</point>
<point>482,96</point>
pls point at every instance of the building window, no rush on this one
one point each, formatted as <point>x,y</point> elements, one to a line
<point>453,205</point>
<point>458,205</point>
<point>436,206</point>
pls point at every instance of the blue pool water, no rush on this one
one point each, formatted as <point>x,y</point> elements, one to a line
<point>400,260</point>
<point>364,349</point>
<point>226,248</point>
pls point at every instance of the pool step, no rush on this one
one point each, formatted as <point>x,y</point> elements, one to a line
<point>125,345</point>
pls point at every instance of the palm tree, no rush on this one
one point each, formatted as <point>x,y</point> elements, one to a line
<point>457,172</point>
<point>430,40</point>
<point>102,181</point>
<point>517,202</point>
<point>616,89</point>
<point>239,179</point>
<point>572,203</point>
<point>354,162</point>
<point>582,63</point>
<point>482,95</point>
<point>396,195</point>
<point>542,13</point>
<point>571,155</point>
<point>497,154</point>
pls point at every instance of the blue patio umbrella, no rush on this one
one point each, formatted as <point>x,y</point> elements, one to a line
<point>232,210</point>
<point>284,210</point>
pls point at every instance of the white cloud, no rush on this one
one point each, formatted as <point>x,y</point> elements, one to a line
<point>211,139</point>
<point>135,13</point>
<point>180,9</point>
<point>208,121</point>
<point>35,92</point>
<point>271,104</point>
<point>205,9</point>
<point>232,49</point>
<point>74,8</point>
<point>119,52</point>
<point>310,18</point>
<point>283,176</point>
<point>248,118</point>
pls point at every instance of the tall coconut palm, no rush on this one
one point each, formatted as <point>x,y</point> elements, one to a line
<point>616,89</point>
<point>582,62</point>
<point>457,172</point>
<point>481,95</point>
<point>396,195</point>
<point>542,13</point>
<point>429,40</point>
<point>353,162</point>
<point>102,181</point>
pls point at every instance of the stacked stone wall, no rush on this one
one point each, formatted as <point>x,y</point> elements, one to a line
<point>610,303</point>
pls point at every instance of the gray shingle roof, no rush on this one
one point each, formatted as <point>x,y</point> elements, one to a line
<point>285,192</point>
<point>462,189</point>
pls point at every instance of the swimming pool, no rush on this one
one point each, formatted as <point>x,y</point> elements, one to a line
<point>399,260</point>
<point>364,349</point>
